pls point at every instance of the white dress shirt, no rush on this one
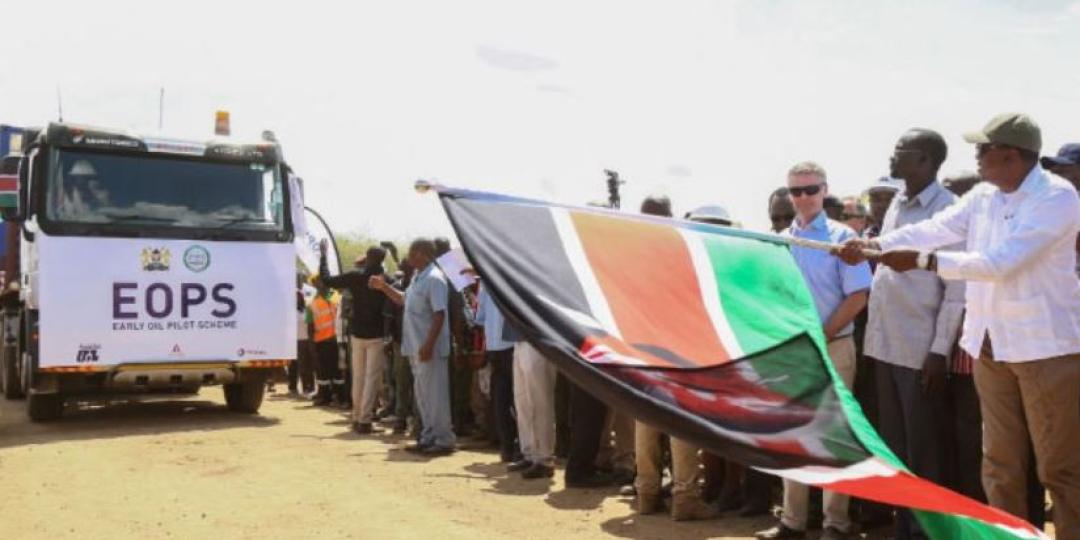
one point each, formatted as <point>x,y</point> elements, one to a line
<point>1020,265</point>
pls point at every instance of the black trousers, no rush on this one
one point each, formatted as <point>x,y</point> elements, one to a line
<point>300,370</point>
<point>587,415</point>
<point>963,437</point>
<point>327,374</point>
<point>562,416</point>
<point>912,424</point>
<point>502,401</point>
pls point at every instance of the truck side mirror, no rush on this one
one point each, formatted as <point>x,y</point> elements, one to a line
<point>11,179</point>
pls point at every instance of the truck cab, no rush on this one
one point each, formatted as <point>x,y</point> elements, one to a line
<point>145,265</point>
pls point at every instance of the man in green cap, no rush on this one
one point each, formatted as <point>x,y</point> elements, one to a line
<point>1023,311</point>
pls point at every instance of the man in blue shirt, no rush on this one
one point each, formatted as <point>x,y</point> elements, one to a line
<point>426,342</point>
<point>499,354</point>
<point>840,293</point>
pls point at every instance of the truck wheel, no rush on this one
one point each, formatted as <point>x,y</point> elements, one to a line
<point>44,407</point>
<point>12,381</point>
<point>245,397</point>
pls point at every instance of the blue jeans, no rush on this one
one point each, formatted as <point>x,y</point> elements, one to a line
<point>431,382</point>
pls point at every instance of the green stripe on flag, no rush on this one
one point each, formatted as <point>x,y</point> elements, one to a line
<point>761,290</point>
<point>765,300</point>
<point>9,200</point>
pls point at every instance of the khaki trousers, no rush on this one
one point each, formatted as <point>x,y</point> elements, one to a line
<point>1041,400</point>
<point>368,361</point>
<point>796,495</point>
<point>534,403</point>
<point>685,462</point>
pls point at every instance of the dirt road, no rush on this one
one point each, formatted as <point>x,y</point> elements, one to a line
<point>188,468</point>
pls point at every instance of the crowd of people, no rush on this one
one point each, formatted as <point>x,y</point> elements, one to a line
<point>952,310</point>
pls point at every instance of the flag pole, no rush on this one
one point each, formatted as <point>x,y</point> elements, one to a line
<point>424,186</point>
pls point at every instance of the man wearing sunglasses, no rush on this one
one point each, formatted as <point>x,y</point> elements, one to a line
<point>839,293</point>
<point>1023,311</point>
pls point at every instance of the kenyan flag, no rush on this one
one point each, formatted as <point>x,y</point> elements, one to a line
<point>9,190</point>
<point>706,332</point>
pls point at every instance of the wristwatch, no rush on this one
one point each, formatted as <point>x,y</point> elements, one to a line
<point>923,260</point>
<point>927,260</point>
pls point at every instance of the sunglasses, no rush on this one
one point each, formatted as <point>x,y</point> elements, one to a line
<point>845,217</point>
<point>982,149</point>
<point>805,190</point>
<point>899,151</point>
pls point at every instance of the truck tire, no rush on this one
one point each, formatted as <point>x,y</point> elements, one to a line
<point>44,407</point>
<point>245,397</point>
<point>11,379</point>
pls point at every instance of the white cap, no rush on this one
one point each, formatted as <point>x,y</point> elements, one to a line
<point>710,214</point>
<point>887,182</point>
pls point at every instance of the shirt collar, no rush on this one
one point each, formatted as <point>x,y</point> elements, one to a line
<point>1034,181</point>
<point>925,197</point>
<point>819,223</point>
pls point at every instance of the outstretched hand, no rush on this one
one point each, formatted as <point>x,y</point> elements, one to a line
<point>852,250</point>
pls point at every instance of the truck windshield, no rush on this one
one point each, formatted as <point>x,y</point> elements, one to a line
<point>102,188</point>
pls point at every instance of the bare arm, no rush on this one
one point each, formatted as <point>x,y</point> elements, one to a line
<point>433,333</point>
<point>379,283</point>
<point>845,313</point>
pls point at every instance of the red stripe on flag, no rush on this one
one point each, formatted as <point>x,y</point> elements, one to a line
<point>9,182</point>
<point>650,283</point>
<point>904,489</point>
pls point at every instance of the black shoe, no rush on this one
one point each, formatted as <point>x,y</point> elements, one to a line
<point>832,533</point>
<point>623,476</point>
<point>400,427</point>
<point>728,504</point>
<point>519,465</point>
<point>595,480</point>
<point>779,531</point>
<point>751,509</point>
<point>417,448</point>
<point>364,428</point>
<point>538,470</point>
<point>322,401</point>
<point>437,451</point>
<point>874,517</point>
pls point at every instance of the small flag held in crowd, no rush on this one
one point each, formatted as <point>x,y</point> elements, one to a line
<point>709,333</point>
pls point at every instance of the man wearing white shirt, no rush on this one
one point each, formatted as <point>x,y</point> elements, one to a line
<point>1023,311</point>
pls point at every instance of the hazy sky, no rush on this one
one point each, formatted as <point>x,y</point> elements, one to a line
<point>708,102</point>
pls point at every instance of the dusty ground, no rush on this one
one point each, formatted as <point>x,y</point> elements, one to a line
<point>188,468</point>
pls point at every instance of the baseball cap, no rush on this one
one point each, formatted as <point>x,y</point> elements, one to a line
<point>1067,155</point>
<point>1011,129</point>
<point>887,182</point>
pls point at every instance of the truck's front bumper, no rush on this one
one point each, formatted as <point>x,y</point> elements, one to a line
<point>150,377</point>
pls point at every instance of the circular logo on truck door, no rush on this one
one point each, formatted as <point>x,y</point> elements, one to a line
<point>196,258</point>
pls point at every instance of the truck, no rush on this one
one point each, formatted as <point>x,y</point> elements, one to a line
<point>144,265</point>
